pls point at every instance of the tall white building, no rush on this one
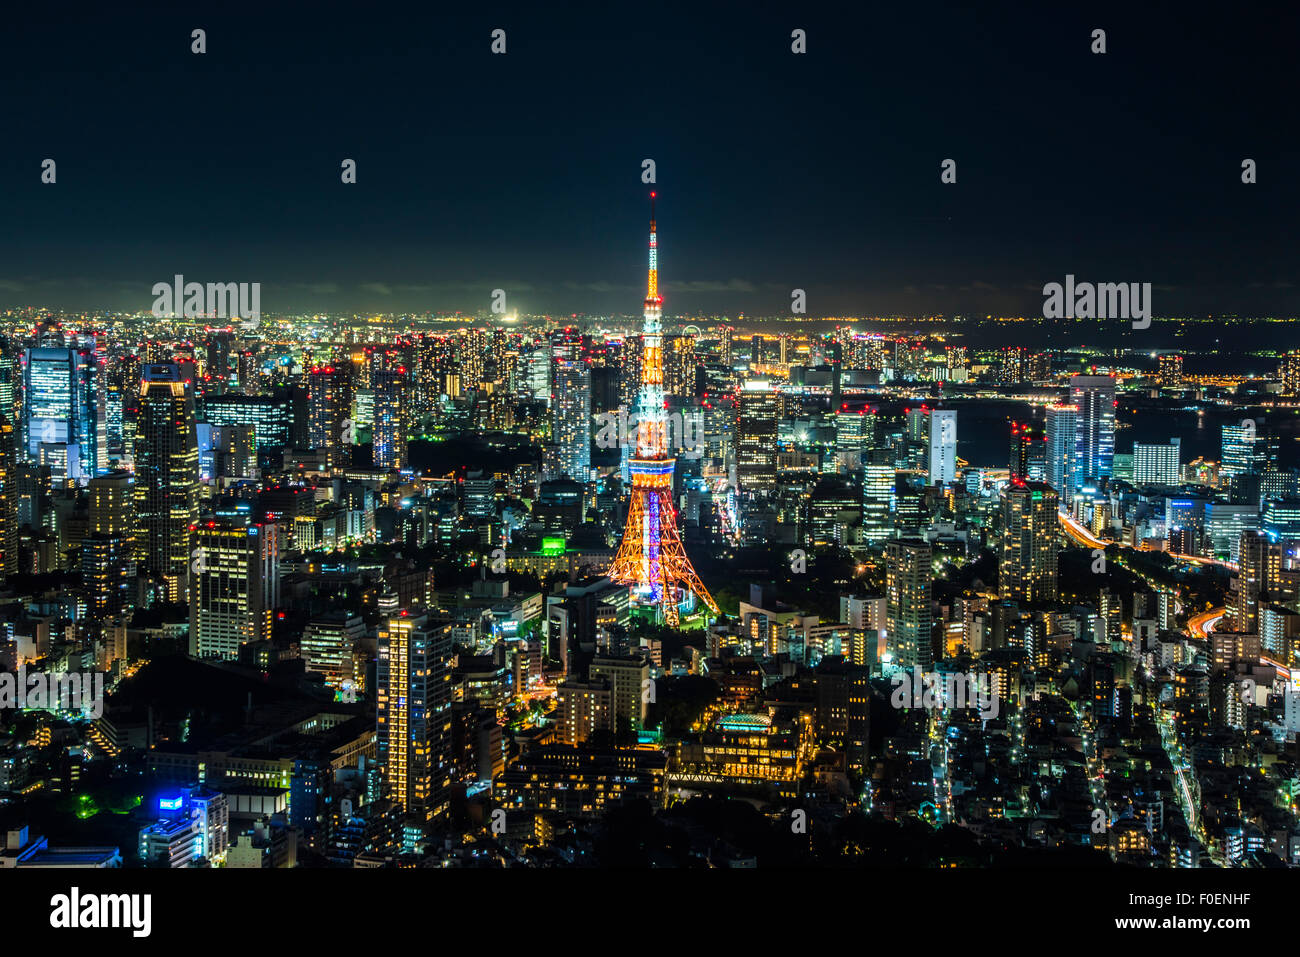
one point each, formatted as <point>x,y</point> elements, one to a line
<point>1156,464</point>
<point>943,446</point>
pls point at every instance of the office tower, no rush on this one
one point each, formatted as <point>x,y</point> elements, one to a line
<point>1027,449</point>
<point>1247,448</point>
<point>279,420</point>
<point>724,347</point>
<point>835,356</point>
<point>227,451</point>
<point>235,586</point>
<point>1060,434</point>
<point>413,699</point>
<point>8,499</point>
<point>755,350</point>
<point>216,366</point>
<point>329,413</point>
<point>11,385</point>
<point>628,678</point>
<point>1094,445</point>
<point>166,478</point>
<point>756,437</point>
<point>877,498</point>
<point>388,378</point>
<point>917,424</point>
<point>569,453</point>
<point>943,446</point>
<point>64,408</point>
<point>651,558</point>
<point>328,644</point>
<point>908,577</point>
<point>1169,369</point>
<point>1156,464</point>
<point>604,389</point>
<point>1027,562</point>
<point>855,434</point>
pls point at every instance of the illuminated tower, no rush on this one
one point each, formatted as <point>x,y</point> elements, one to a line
<point>651,558</point>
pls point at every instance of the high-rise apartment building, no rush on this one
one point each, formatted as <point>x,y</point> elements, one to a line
<point>569,454</point>
<point>390,382</point>
<point>413,699</point>
<point>1027,561</point>
<point>908,578</point>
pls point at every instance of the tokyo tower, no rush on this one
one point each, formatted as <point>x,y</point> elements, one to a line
<point>651,559</point>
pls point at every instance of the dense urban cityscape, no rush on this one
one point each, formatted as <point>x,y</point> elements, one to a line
<point>421,591</point>
<point>467,462</point>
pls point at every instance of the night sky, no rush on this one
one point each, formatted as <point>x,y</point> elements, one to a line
<point>775,170</point>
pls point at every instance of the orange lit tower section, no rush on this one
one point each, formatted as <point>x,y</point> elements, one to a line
<point>651,559</point>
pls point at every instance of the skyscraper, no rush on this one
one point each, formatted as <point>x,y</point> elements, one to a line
<point>1094,397</point>
<point>8,499</point>
<point>1062,424</point>
<point>1247,449</point>
<point>329,412</point>
<point>64,408</point>
<point>235,586</point>
<point>877,495</point>
<point>413,699</point>
<point>1027,561</point>
<point>569,453</point>
<point>855,433</point>
<point>166,478</point>
<point>108,550</point>
<point>388,379</point>
<point>908,578</point>
<point>756,437</point>
<point>1026,448</point>
<point>943,446</point>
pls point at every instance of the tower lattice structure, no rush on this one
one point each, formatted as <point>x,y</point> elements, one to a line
<point>651,559</point>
